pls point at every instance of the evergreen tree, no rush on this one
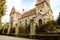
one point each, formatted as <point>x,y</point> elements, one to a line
<point>2,10</point>
<point>58,20</point>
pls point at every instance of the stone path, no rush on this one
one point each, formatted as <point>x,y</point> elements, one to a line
<point>12,38</point>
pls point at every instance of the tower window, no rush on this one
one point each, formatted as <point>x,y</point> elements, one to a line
<point>40,10</point>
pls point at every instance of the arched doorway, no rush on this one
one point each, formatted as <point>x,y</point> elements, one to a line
<point>40,21</point>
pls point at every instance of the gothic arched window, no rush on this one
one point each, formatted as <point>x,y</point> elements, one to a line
<point>26,22</point>
<point>40,10</point>
<point>20,22</point>
<point>40,21</point>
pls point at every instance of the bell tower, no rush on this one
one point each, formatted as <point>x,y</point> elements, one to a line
<point>39,1</point>
<point>43,10</point>
<point>42,6</point>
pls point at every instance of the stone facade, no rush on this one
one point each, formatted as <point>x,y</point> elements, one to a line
<point>40,14</point>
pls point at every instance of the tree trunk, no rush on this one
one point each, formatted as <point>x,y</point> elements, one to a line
<point>0,23</point>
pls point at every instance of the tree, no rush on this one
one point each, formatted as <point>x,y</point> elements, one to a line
<point>2,9</point>
<point>49,27</point>
<point>58,19</point>
<point>5,28</point>
<point>6,25</point>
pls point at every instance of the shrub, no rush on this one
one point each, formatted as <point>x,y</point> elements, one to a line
<point>5,30</point>
<point>27,29</point>
<point>21,30</point>
<point>12,30</point>
<point>41,28</point>
<point>47,27</point>
<point>0,31</point>
<point>58,19</point>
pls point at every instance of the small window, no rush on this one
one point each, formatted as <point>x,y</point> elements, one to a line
<point>11,17</point>
<point>16,24</point>
<point>40,21</point>
<point>26,22</point>
<point>20,22</point>
<point>40,10</point>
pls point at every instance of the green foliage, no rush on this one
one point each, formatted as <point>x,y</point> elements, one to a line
<point>21,30</point>
<point>58,19</point>
<point>2,10</point>
<point>5,30</point>
<point>57,26</point>
<point>2,7</point>
<point>0,31</point>
<point>27,30</point>
<point>48,27</point>
<point>0,24</point>
<point>6,25</point>
<point>24,30</point>
<point>12,30</point>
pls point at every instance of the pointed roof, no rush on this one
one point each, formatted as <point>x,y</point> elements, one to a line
<point>23,9</point>
<point>13,10</point>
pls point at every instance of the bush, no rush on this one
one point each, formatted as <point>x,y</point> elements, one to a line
<point>40,29</point>
<point>27,29</point>
<point>5,31</point>
<point>21,30</point>
<point>12,30</point>
<point>47,27</point>
<point>1,31</point>
<point>24,30</point>
<point>58,19</point>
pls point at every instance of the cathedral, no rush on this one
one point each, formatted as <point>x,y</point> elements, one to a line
<point>39,15</point>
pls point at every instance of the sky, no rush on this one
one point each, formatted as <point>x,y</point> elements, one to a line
<point>27,5</point>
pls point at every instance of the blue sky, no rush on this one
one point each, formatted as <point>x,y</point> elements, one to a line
<point>27,5</point>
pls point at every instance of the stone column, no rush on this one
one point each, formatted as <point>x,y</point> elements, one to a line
<point>10,25</point>
<point>8,29</point>
<point>32,27</point>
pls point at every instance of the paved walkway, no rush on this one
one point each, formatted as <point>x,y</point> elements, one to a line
<point>12,38</point>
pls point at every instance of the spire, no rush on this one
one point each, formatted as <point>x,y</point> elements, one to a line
<point>23,8</point>
<point>13,9</point>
